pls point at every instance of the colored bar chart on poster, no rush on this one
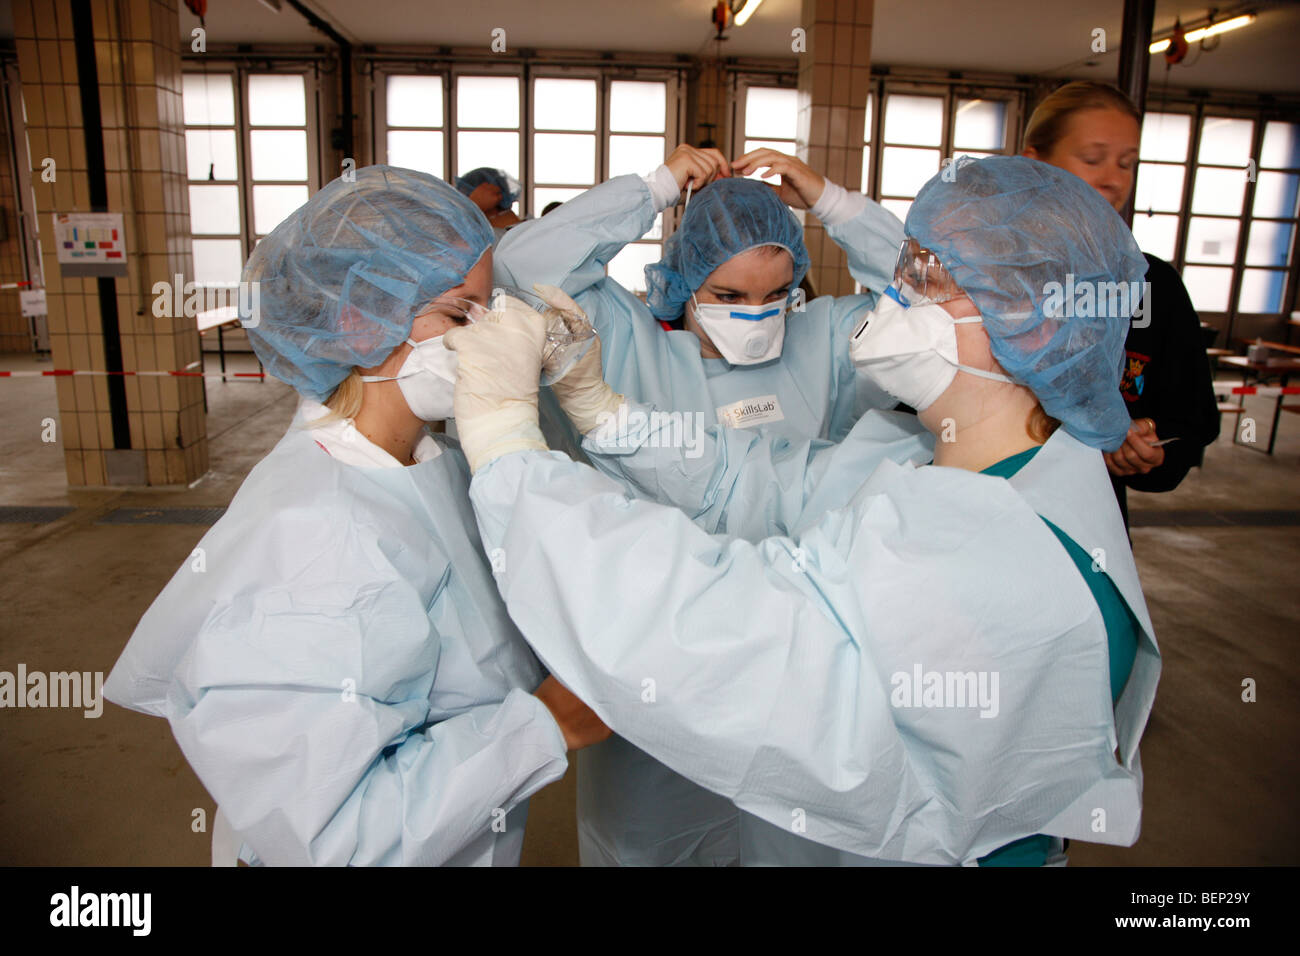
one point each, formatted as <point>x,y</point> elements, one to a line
<point>90,243</point>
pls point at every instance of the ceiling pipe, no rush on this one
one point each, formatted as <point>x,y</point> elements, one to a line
<point>344,141</point>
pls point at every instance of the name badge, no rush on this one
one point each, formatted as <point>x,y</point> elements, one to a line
<point>750,412</point>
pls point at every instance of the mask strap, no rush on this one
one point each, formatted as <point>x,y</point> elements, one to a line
<point>690,185</point>
<point>393,378</point>
<point>993,376</point>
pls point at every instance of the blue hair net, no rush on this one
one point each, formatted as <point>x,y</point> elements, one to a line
<point>499,178</point>
<point>1055,273</point>
<point>723,220</point>
<point>340,280</point>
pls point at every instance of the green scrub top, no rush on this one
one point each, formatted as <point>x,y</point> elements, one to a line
<point>1122,631</point>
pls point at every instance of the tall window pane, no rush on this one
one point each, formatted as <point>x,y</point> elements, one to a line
<point>637,107</point>
<point>498,150</point>
<point>1208,287</point>
<point>564,104</point>
<point>771,113</point>
<point>1212,240</point>
<point>914,120</point>
<point>279,153</point>
<point>635,154</point>
<point>1219,191</point>
<point>414,101</point>
<point>487,101</point>
<point>564,158</point>
<point>980,125</point>
<point>1225,142</point>
<point>1165,136</point>
<point>1281,145</point>
<point>417,149</point>
<point>1276,194</point>
<point>210,154</point>
<point>1157,235</point>
<point>276,100</point>
<point>208,99</point>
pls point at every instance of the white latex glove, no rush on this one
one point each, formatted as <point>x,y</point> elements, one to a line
<point>499,360</point>
<point>582,392</point>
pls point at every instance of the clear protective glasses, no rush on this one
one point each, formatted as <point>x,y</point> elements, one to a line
<point>459,310</point>
<point>568,332</point>
<point>920,277</point>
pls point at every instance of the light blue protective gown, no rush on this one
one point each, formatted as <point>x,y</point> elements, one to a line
<point>773,671</point>
<point>342,674</point>
<point>631,809</point>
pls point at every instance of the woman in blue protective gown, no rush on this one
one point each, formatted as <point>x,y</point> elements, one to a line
<point>777,365</point>
<point>341,672</point>
<point>881,660</point>
<point>745,358</point>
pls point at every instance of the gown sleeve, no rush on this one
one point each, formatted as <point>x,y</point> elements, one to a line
<point>571,247</point>
<point>760,670</point>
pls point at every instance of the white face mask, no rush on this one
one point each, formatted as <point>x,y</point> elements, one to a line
<point>911,352</point>
<point>744,334</point>
<point>427,379</point>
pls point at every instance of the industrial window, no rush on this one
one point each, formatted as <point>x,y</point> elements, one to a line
<point>770,120</point>
<point>416,134</point>
<point>637,137</point>
<point>250,159</point>
<point>922,127</point>
<point>488,123</point>
<point>1217,195</point>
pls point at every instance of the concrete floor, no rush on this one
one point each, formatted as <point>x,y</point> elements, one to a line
<point>1220,774</point>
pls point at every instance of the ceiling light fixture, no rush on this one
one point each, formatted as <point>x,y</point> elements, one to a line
<point>747,11</point>
<point>1214,29</point>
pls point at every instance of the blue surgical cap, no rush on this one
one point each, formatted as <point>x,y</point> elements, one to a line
<point>339,282</point>
<point>1055,273</point>
<point>499,178</point>
<point>724,219</point>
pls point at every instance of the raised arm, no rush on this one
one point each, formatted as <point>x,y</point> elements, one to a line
<point>571,247</point>
<point>865,230</point>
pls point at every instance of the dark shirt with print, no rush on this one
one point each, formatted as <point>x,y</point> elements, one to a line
<point>1166,378</point>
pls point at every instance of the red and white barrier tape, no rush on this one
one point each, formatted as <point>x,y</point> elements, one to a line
<point>181,373</point>
<point>1257,390</point>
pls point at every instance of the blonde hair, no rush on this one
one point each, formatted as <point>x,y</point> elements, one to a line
<point>344,402</point>
<point>1041,425</point>
<point>1050,118</point>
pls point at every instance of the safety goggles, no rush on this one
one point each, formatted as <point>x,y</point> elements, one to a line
<point>920,277</point>
<point>461,311</point>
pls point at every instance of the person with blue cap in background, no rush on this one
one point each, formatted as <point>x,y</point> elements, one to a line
<point>341,672</point>
<point>751,354</point>
<point>495,192</point>
<point>881,661</point>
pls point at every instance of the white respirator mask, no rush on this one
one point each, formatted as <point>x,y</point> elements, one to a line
<point>743,334</point>
<point>911,351</point>
<point>427,379</point>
